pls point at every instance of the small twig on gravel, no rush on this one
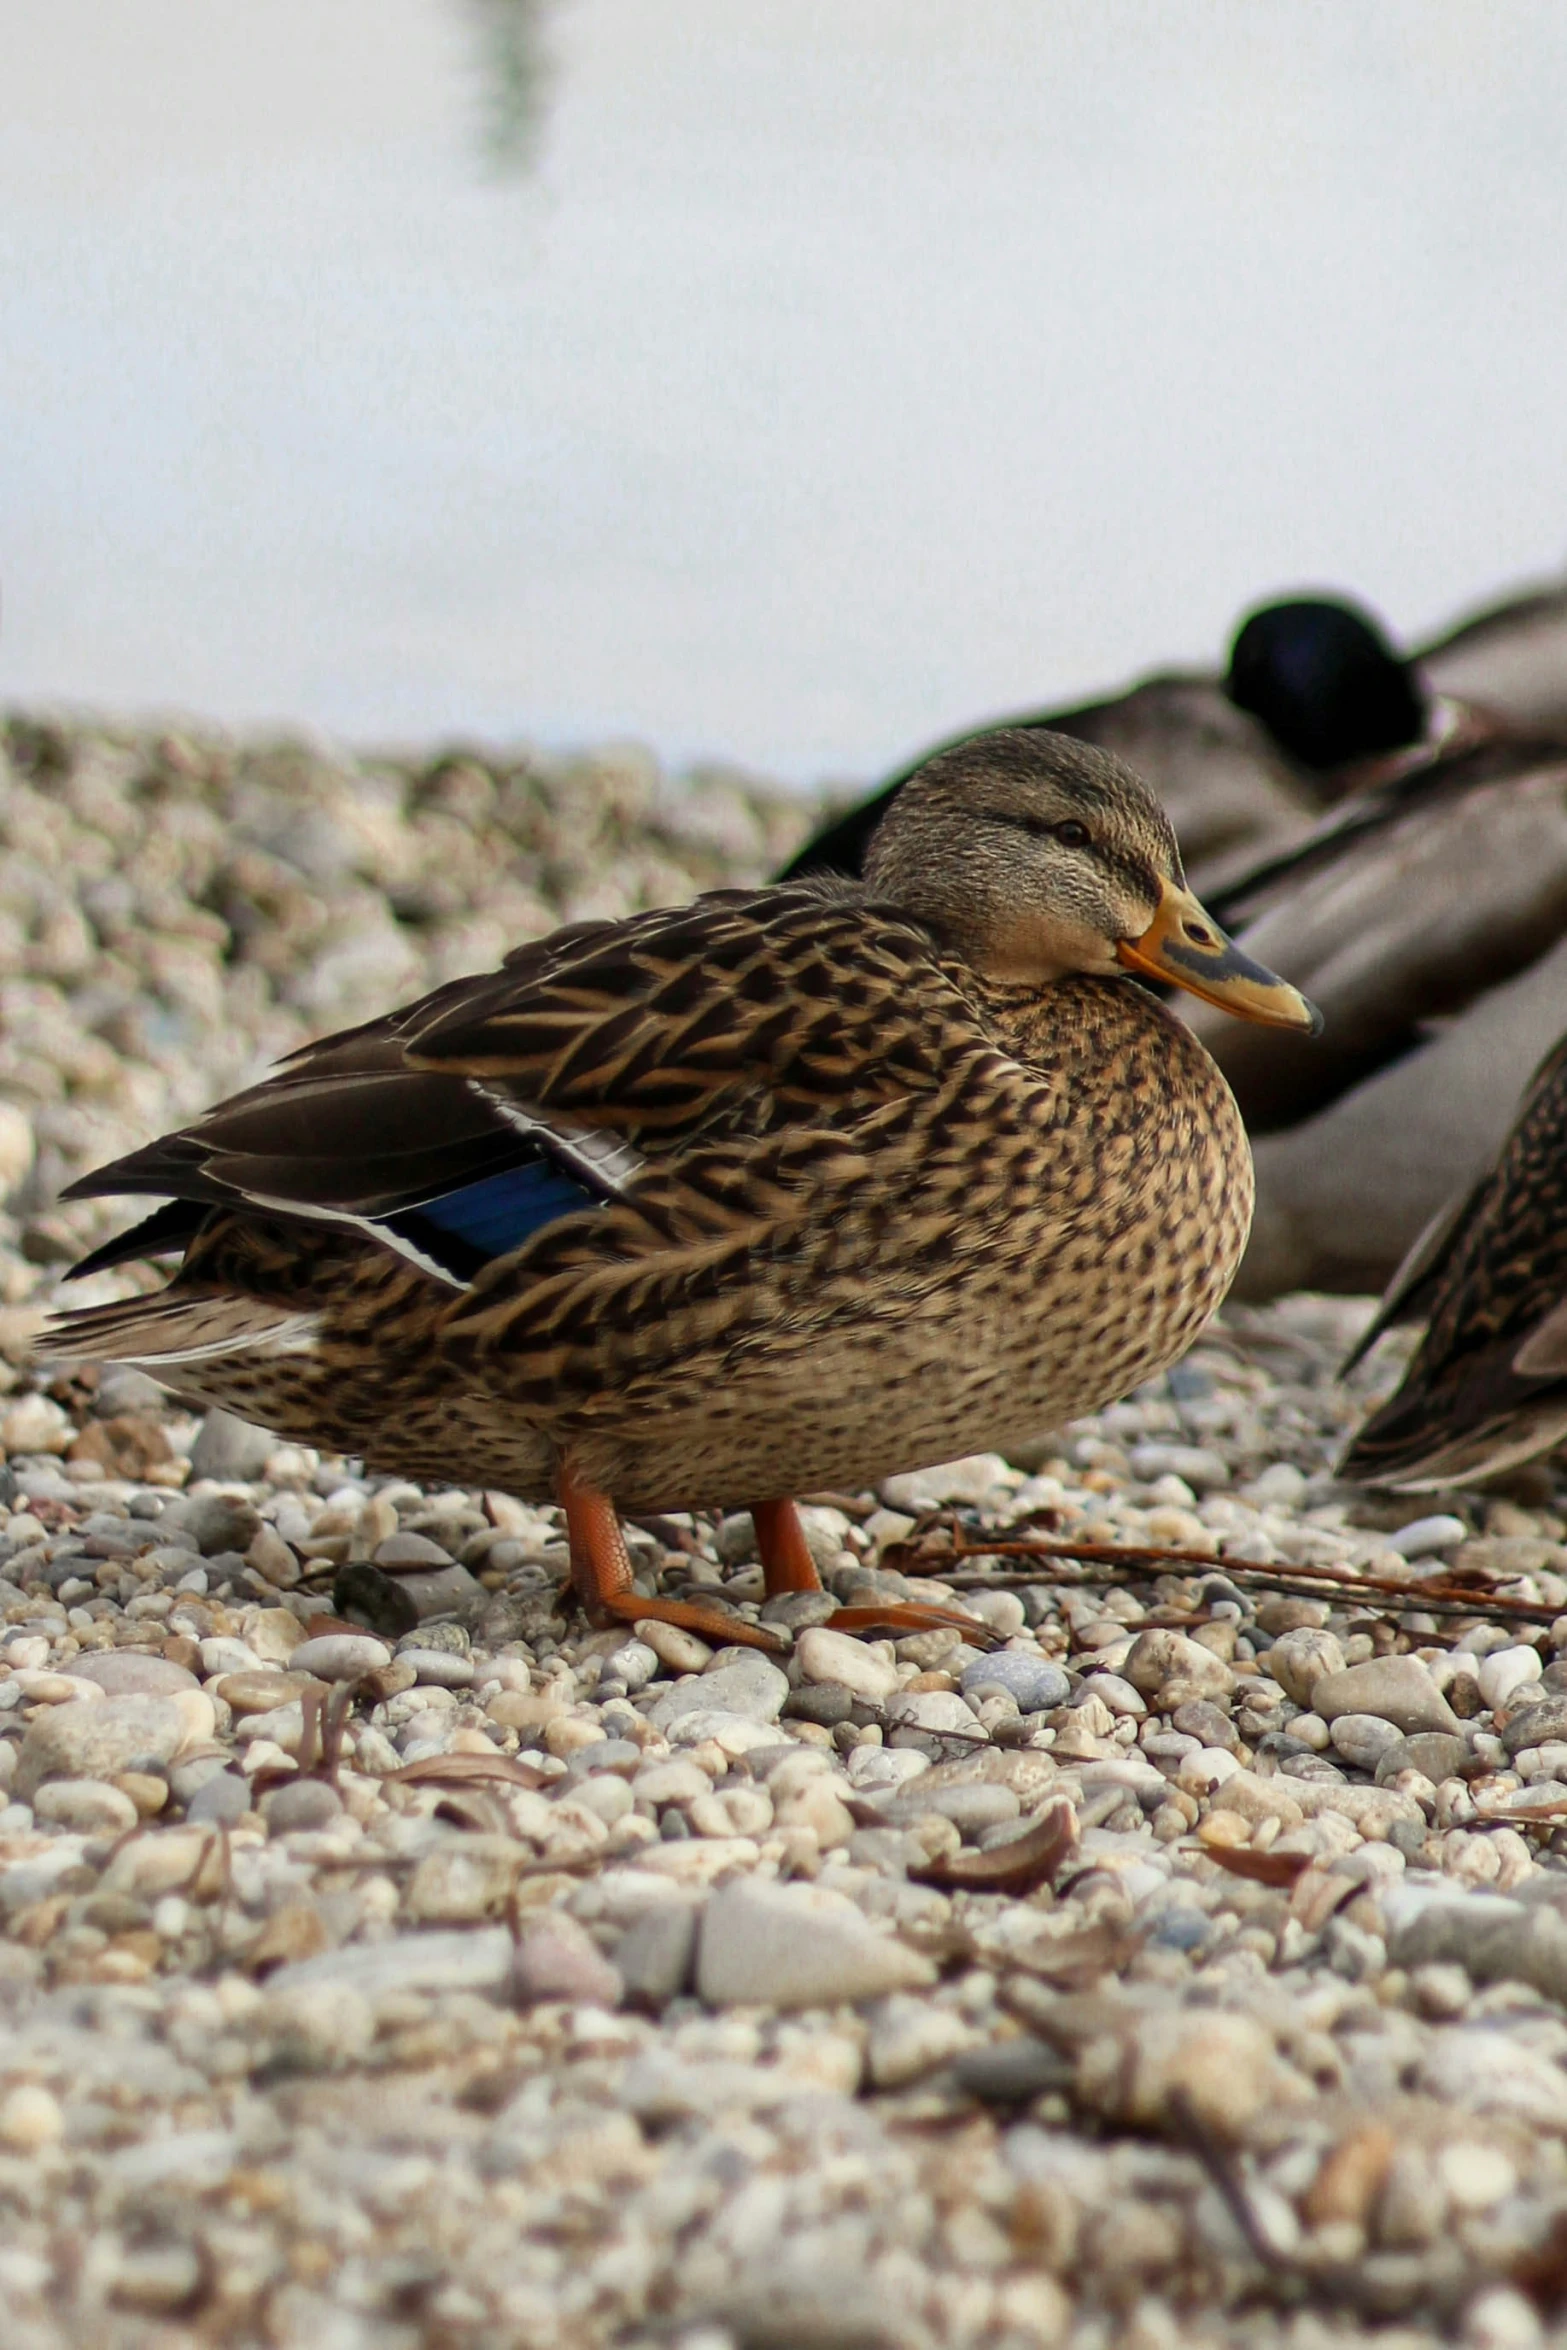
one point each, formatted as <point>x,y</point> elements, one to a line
<point>922,1554</point>
<point>1216,2161</point>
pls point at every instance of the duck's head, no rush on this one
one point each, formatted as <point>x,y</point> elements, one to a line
<point>1035,856</point>
<point>1325,682</point>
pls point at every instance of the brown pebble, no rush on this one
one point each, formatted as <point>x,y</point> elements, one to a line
<point>1283,1614</point>
<point>1351,2176</point>
<point>260,1692</point>
<point>291,1933</point>
<point>148,1792</point>
<point>126,1447</point>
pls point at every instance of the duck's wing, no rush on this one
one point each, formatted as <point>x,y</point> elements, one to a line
<point>1488,1386</point>
<point>1511,658</point>
<point>454,1129</point>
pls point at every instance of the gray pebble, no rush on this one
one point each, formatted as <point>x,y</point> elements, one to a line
<point>942,1712</point>
<point>557,1958</point>
<point>1201,1719</point>
<point>1204,1471</point>
<point>797,1946</point>
<point>1532,1725</point>
<point>1363,1739</point>
<point>751,1687</point>
<point>891,1852</point>
<point>185,1777</point>
<point>654,1956</point>
<point>620,1755</point>
<point>1033,1683</point>
<point>301,1803</point>
<point>979,1805</point>
<point>130,1672</point>
<point>448,1591</point>
<point>213,1522</point>
<point>449,1639</point>
<point>824,1702</point>
<point>797,1611</point>
<point>1397,1689</point>
<point>438,1668</point>
<point>1010,2072</point>
<point>1437,1754</point>
<point>411,1550</point>
<point>220,1800</point>
<point>228,1447</point>
<point>122,1391</point>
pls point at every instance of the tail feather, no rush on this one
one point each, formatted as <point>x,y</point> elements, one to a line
<point>178,1327</point>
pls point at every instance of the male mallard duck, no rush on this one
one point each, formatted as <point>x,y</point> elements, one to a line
<point>1243,763</point>
<point>1427,915</point>
<point>783,1188</point>
<point>1488,1387</point>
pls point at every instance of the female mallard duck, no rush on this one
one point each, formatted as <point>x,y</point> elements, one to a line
<point>1488,1386</point>
<point>1428,917</point>
<point>1243,763</point>
<point>783,1188</point>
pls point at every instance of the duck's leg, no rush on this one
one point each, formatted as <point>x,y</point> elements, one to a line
<point>787,1565</point>
<point>601,1572</point>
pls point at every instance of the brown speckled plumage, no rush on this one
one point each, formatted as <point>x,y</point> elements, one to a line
<point>1487,1388</point>
<point>900,1186</point>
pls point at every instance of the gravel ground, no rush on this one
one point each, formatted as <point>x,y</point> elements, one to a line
<point>1190,1969</point>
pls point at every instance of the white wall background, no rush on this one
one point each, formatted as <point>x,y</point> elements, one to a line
<point>845,369</point>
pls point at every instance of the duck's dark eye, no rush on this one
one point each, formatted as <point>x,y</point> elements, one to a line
<point>1073,835</point>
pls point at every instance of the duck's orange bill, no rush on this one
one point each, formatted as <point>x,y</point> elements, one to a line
<point>1185,947</point>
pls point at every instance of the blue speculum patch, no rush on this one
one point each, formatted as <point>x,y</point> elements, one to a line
<point>471,1226</point>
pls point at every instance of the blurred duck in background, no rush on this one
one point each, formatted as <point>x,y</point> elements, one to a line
<point>1509,659</point>
<point>1313,701</point>
<point>1427,915</point>
<point>1391,833</point>
<point>1487,1389</point>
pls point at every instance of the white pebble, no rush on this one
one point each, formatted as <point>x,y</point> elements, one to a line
<point>884,1766</point>
<point>1422,1534</point>
<point>16,1146</point>
<point>30,2118</point>
<point>680,1650</point>
<point>862,1667</point>
<point>90,1806</point>
<point>1476,2176</point>
<point>1501,2318</point>
<point>340,1656</point>
<point>1282,1486</point>
<point>1505,1670</point>
<point>34,1424</point>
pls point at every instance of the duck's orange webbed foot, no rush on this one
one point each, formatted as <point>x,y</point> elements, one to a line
<point>602,1575</point>
<point>787,1565</point>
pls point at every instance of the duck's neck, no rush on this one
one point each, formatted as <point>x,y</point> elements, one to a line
<point>1081,1015</point>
